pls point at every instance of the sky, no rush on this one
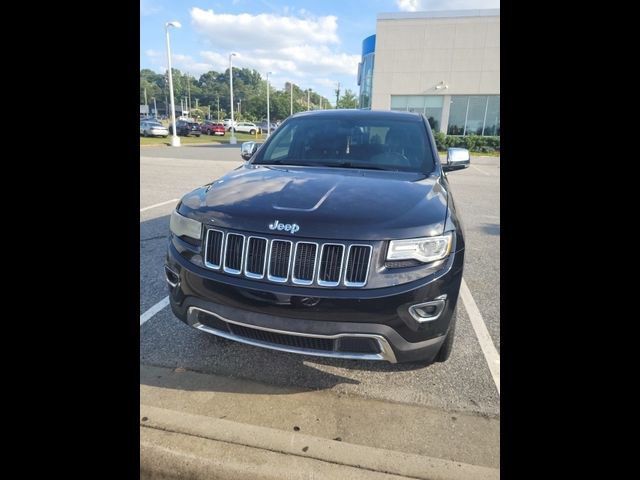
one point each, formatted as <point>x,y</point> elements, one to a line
<point>314,44</point>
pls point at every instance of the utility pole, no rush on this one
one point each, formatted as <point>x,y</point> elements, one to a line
<point>145,100</point>
<point>338,95</point>
<point>291,89</point>
<point>189,90</point>
<point>308,98</point>
<point>218,98</point>
<point>155,108</point>
<point>196,103</point>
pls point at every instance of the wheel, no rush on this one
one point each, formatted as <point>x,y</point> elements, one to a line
<point>198,135</point>
<point>252,132</point>
<point>144,134</point>
<point>447,345</point>
<point>165,136</point>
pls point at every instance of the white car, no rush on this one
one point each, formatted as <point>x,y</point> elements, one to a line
<point>247,127</point>
<point>153,129</point>
<point>227,124</point>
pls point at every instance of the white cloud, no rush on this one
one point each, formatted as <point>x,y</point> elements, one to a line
<point>148,8</point>
<point>263,30</point>
<point>423,5</point>
<point>152,53</point>
<point>296,47</point>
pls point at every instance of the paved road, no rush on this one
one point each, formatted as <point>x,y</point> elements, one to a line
<point>464,383</point>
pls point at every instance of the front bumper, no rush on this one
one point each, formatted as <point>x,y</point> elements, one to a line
<point>366,324</point>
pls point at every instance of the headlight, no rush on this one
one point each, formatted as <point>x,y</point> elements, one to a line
<point>428,249</point>
<point>183,226</point>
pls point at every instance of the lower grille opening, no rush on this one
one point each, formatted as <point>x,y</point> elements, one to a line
<point>212,322</point>
<point>358,345</point>
<point>295,341</point>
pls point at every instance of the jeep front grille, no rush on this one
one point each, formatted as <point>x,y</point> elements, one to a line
<point>288,261</point>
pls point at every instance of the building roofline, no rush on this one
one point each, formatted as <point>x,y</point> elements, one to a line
<point>484,12</point>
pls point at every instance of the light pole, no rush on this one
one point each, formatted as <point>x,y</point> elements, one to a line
<point>218,99</point>
<point>175,141</point>
<point>268,116</point>
<point>291,89</point>
<point>155,109</point>
<point>232,140</point>
<point>308,97</point>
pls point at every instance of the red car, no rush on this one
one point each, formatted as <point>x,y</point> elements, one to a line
<point>212,128</point>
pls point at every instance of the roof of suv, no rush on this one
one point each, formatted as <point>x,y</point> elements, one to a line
<point>356,113</point>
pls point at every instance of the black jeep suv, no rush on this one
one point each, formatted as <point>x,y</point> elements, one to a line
<point>338,238</point>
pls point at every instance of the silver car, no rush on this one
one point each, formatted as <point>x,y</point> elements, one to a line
<point>153,129</point>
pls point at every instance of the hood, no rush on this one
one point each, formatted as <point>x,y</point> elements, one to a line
<point>324,203</point>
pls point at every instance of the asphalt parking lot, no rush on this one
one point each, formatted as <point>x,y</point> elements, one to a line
<point>465,383</point>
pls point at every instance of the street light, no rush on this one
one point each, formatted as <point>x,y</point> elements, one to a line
<point>175,141</point>
<point>268,116</point>
<point>232,140</point>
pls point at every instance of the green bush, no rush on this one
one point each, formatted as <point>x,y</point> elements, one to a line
<point>474,143</point>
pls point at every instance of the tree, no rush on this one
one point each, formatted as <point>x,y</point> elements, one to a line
<point>348,100</point>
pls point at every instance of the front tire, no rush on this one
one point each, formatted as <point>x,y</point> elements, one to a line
<point>252,132</point>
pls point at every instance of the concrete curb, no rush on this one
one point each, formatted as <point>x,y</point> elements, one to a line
<point>298,445</point>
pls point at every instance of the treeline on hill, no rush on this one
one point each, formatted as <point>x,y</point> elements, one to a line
<point>249,94</point>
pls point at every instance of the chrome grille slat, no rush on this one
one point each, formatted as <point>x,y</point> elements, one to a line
<point>214,242</point>
<point>233,253</point>
<point>278,260</point>
<point>358,261</point>
<point>331,261</point>
<point>255,261</point>
<point>304,263</point>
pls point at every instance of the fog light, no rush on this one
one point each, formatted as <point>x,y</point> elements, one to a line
<point>428,311</point>
<point>172,277</point>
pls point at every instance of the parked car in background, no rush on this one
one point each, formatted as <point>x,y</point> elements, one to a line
<point>184,128</point>
<point>227,124</point>
<point>153,129</point>
<point>263,126</point>
<point>212,128</point>
<point>247,127</point>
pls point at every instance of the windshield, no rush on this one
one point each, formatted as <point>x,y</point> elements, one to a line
<point>361,142</point>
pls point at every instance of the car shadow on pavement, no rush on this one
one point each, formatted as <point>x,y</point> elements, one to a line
<point>491,228</point>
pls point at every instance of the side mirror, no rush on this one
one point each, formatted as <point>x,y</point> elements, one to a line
<point>457,159</point>
<point>247,149</point>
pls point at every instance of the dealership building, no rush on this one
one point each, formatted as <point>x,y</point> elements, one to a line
<point>445,64</point>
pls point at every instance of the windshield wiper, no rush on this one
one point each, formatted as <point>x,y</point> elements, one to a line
<point>360,166</point>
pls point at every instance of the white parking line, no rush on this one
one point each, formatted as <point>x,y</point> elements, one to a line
<point>480,170</point>
<point>486,344</point>
<point>153,310</point>
<point>158,204</point>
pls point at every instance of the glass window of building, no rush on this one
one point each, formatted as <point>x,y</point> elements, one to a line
<point>399,102</point>
<point>433,111</point>
<point>492,120</point>
<point>429,105</point>
<point>457,114</point>
<point>474,115</point>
